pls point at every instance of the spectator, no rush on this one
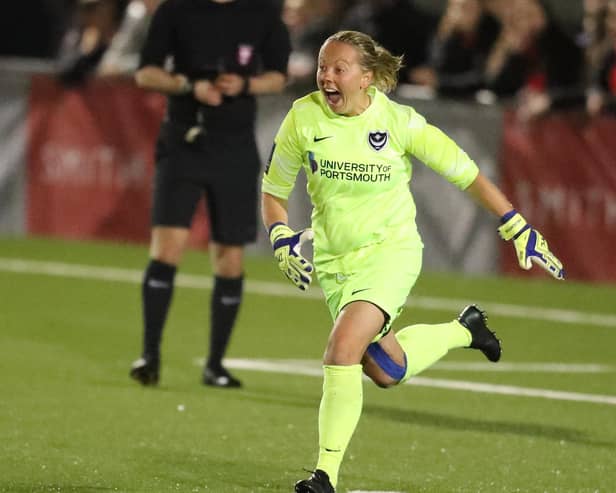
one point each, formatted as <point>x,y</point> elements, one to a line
<point>601,61</point>
<point>309,22</point>
<point>400,26</point>
<point>592,36</point>
<point>534,59</point>
<point>32,28</point>
<point>95,24</point>
<point>122,56</point>
<point>223,54</point>
<point>465,34</point>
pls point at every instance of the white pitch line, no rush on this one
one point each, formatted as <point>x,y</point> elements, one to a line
<point>310,368</point>
<point>504,367</point>
<point>371,491</point>
<point>313,367</point>
<point>60,269</point>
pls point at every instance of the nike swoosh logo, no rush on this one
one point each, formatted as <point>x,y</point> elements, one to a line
<point>230,300</point>
<point>319,139</point>
<point>156,284</point>
<point>222,381</point>
<point>358,291</point>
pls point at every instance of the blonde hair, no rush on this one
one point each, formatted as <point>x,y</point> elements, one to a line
<point>372,56</point>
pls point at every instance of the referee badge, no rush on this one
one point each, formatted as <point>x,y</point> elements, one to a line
<point>244,54</point>
<point>378,139</point>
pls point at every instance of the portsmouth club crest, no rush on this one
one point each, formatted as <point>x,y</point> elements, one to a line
<point>378,139</point>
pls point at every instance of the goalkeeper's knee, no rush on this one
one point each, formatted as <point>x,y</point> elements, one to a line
<point>389,367</point>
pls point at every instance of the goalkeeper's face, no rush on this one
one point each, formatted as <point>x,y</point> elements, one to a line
<point>341,78</point>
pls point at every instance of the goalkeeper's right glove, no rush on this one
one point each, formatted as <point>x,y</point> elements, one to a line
<point>287,246</point>
<point>529,244</point>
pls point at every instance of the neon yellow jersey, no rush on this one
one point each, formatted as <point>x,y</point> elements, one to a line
<point>358,170</point>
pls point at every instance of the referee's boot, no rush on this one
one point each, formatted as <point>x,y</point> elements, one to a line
<point>318,482</point>
<point>220,377</point>
<point>484,339</point>
<point>146,371</point>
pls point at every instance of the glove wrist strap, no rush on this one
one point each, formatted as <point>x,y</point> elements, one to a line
<point>273,225</point>
<point>513,224</point>
<point>277,230</point>
<point>508,215</point>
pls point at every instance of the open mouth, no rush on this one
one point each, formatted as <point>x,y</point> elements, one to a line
<point>333,97</point>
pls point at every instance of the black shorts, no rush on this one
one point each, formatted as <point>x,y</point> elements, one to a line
<point>223,169</point>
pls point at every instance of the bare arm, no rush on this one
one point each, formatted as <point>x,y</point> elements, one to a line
<point>488,195</point>
<point>231,84</point>
<point>267,82</point>
<point>154,78</point>
<point>273,210</point>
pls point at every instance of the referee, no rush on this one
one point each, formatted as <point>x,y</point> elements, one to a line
<point>211,58</point>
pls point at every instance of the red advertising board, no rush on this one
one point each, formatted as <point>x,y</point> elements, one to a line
<point>560,172</point>
<point>90,160</point>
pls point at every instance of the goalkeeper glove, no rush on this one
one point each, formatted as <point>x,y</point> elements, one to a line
<point>287,245</point>
<point>529,244</point>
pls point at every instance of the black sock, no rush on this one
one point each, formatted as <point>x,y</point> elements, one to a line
<point>156,291</point>
<point>225,304</point>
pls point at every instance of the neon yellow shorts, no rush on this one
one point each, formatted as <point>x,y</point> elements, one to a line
<point>382,274</point>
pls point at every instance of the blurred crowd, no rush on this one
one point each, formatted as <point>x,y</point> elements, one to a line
<point>486,50</point>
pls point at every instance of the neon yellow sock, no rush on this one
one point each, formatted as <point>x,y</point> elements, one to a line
<point>339,413</point>
<point>425,344</point>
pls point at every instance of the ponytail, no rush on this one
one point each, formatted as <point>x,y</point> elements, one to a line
<point>374,57</point>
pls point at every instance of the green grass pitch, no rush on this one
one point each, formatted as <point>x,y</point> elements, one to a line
<point>72,421</point>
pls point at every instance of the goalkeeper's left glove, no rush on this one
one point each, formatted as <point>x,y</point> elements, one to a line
<point>530,246</point>
<point>287,246</point>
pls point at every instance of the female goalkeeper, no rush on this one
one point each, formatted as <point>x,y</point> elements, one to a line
<point>353,143</point>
